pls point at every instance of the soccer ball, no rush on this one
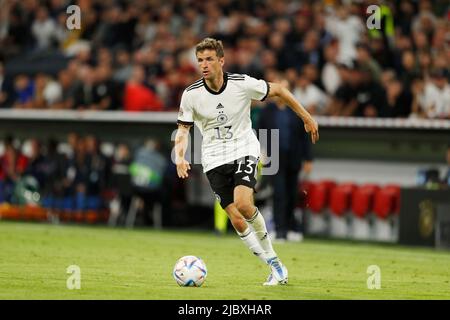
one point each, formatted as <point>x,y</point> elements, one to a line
<point>190,271</point>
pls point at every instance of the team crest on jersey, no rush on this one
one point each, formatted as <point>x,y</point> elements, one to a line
<point>222,118</point>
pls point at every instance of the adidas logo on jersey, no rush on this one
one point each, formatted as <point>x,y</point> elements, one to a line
<point>246,178</point>
<point>220,106</point>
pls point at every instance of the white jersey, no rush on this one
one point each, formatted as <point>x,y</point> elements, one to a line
<point>223,117</point>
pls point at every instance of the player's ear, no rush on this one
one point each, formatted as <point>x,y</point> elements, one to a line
<point>222,61</point>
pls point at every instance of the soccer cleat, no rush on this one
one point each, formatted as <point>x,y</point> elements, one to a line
<point>278,275</point>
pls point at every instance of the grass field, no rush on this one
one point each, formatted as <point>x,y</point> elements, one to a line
<point>137,264</point>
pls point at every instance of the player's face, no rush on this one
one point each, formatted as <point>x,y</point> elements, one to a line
<point>209,63</point>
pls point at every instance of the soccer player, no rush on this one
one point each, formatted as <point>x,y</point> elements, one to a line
<point>219,105</point>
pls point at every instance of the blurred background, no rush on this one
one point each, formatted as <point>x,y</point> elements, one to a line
<point>87,115</point>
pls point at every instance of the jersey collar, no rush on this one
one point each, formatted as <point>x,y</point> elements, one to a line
<point>224,85</point>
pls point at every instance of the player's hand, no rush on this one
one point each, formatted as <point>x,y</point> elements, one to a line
<point>307,167</point>
<point>182,168</point>
<point>312,127</point>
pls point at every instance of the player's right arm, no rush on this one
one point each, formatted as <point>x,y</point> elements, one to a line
<point>181,144</point>
<point>185,122</point>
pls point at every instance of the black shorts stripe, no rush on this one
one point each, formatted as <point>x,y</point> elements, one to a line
<point>185,123</point>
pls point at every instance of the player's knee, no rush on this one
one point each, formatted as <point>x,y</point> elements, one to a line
<point>244,207</point>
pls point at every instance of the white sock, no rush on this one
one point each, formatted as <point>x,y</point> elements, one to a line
<point>251,241</point>
<point>258,225</point>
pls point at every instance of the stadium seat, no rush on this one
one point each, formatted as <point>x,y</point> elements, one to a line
<point>2,196</point>
<point>395,190</point>
<point>78,216</point>
<point>93,202</point>
<point>387,201</point>
<point>35,213</point>
<point>47,202</point>
<point>67,203</point>
<point>362,199</point>
<point>92,216</point>
<point>340,198</point>
<point>319,195</point>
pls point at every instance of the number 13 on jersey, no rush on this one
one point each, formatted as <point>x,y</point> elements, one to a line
<point>223,133</point>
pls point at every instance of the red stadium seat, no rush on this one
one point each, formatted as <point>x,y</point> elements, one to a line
<point>387,201</point>
<point>319,195</point>
<point>395,191</point>
<point>362,199</point>
<point>341,198</point>
<point>91,216</point>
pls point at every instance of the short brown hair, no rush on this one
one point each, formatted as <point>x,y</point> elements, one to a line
<point>210,44</point>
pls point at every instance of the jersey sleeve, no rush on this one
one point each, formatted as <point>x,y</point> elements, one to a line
<point>185,114</point>
<point>256,89</point>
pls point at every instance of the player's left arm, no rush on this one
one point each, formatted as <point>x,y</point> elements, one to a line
<point>278,90</point>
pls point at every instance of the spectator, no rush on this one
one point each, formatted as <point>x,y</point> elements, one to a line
<point>56,167</point>
<point>85,96</point>
<point>99,167</point>
<point>344,102</point>
<point>399,98</point>
<point>123,66</point>
<point>37,165</point>
<point>347,28</point>
<point>66,96</point>
<point>43,29</point>
<point>432,100</point>
<point>38,100</point>
<point>137,96</point>
<point>12,165</point>
<point>310,51</point>
<point>24,92</point>
<point>409,68</point>
<point>294,150</point>
<point>6,89</point>
<point>364,58</point>
<point>371,96</point>
<point>105,92</point>
<point>310,96</point>
<point>76,177</point>
<point>330,76</point>
<point>404,17</point>
<point>147,173</point>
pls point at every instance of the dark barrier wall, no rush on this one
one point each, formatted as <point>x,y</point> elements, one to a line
<point>443,226</point>
<point>410,140</point>
<point>419,215</point>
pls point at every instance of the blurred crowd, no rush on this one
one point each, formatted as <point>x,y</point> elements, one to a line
<point>140,55</point>
<point>78,174</point>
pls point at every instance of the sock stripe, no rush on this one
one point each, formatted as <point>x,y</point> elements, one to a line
<point>246,233</point>
<point>254,216</point>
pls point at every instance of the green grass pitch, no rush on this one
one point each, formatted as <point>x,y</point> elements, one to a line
<point>137,264</point>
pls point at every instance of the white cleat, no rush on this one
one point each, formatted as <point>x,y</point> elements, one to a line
<point>279,274</point>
